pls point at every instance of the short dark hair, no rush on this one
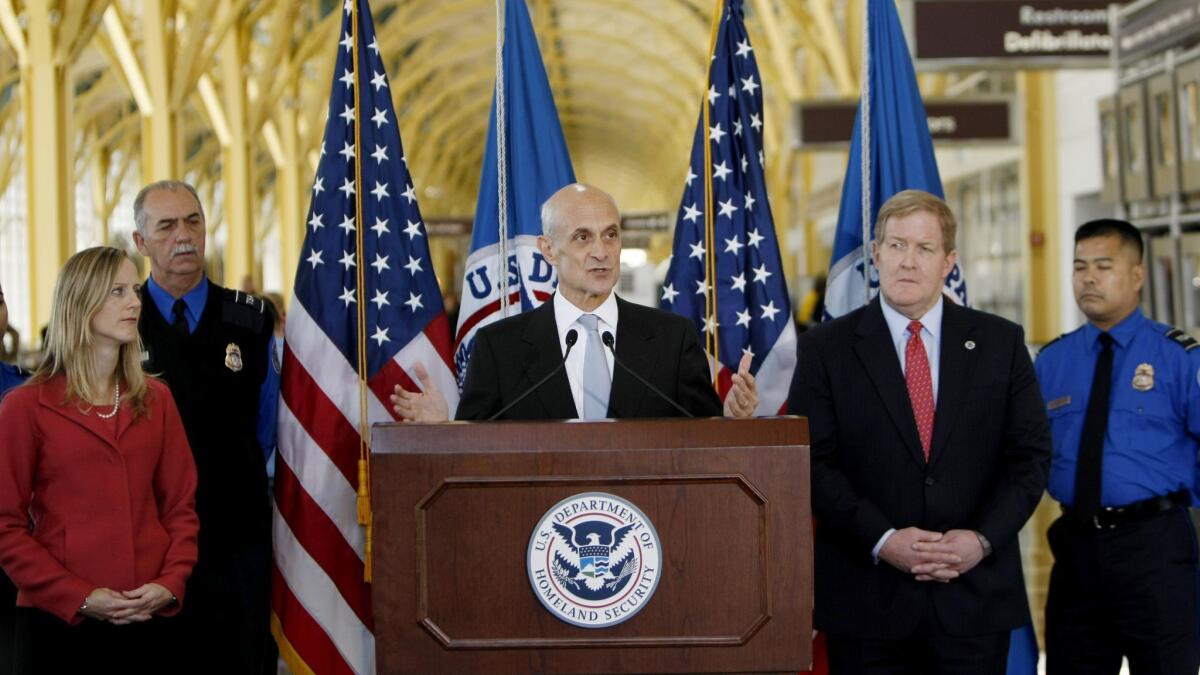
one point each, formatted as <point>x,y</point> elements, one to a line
<point>1105,227</point>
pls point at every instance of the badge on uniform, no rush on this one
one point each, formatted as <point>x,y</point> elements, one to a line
<point>1143,377</point>
<point>233,357</point>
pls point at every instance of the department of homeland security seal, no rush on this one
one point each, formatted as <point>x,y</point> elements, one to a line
<point>594,560</point>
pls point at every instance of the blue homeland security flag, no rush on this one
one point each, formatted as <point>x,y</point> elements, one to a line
<point>366,309</point>
<point>901,158</point>
<point>523,129</point>
<point>742,307</point>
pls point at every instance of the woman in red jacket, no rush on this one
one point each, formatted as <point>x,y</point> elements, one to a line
<point>97,483</point>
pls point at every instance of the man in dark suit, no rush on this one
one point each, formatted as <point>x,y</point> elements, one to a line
<point>930,450</point>
<point>581,238</point>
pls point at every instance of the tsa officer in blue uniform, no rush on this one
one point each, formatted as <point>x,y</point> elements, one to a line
<point>1123,397</point>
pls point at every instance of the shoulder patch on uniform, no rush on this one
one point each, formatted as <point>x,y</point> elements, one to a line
<point>243,309</point>
<point>1183,338</point>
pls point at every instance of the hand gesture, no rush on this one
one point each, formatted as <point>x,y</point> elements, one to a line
<point>424,406</point>
<point>742,398</point>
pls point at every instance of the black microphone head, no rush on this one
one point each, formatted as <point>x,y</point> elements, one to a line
<point>608,339</point>
<point>572,338</point>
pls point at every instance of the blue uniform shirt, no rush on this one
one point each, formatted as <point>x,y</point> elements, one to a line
<point>268,395</point>
<point>10,376</point>
<point>1150,445</point>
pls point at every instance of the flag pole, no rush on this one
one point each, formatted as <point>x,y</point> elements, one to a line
<point>711,344</point>
<point>865,158</point>
<point>364,422</point>
<point>501,163</point>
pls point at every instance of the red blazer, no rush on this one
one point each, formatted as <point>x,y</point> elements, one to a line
<point>112,501</point>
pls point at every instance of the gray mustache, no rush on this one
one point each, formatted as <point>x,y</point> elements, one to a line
<point>183,248</point>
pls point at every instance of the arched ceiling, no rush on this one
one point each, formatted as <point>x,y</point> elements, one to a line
<point>627,75</point>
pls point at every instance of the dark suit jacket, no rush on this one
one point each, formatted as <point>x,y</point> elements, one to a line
<point>986,472</point>
<point>510,355</point>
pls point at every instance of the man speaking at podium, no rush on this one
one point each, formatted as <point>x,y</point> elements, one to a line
<point>564,360</point>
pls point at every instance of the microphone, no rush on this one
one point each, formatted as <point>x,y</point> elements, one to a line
<point>609,341</point>
<point>571,338</point>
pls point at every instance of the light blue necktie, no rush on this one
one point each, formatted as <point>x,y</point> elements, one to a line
<point>596,380</point>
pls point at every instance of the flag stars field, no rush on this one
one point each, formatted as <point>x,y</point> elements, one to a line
<point>725,226</point>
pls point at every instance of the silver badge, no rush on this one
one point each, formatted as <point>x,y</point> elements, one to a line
<point>969,344</point>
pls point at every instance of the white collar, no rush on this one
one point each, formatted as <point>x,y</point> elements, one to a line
<point>566,314</point>
<point>897,323</point>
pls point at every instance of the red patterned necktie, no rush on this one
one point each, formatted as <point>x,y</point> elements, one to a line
<point>920,385</point>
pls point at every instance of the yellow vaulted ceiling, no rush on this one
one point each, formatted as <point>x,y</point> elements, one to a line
<point>232,94</point>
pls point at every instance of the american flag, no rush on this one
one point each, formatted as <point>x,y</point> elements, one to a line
<point>752,314</point>
<point>366,303</point>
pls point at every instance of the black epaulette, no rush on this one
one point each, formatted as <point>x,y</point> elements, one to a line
<point>244,310</point>
<point>1183,338</point>
<point>1039,353</point>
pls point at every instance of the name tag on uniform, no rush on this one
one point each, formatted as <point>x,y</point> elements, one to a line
<point>1058,403</point>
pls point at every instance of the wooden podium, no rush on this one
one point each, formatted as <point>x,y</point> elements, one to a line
<point>455,505</point>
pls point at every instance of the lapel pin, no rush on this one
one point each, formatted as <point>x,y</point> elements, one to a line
<point>969,344</point>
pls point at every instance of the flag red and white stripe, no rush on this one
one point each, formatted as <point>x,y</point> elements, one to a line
<point>366,309</point>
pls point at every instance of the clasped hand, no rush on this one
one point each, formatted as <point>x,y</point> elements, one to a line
<point>125,607</point>
<point>932,556</point>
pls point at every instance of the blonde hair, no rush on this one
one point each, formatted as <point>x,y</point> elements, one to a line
<point>910,201</point>
<point>82,287</point>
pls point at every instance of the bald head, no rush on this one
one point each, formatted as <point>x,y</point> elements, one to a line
<point>581,238</point>
<point>560,208</point>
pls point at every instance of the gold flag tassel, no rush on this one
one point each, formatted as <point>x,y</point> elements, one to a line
<point>364,494</point>
<point>364,514</point>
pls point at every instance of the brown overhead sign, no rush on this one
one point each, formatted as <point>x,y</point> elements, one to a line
<point>831,123</point>
<point>1011,34</point>
<point>1153,27</point>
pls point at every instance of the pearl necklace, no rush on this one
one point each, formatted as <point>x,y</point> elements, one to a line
<point>116,403</point>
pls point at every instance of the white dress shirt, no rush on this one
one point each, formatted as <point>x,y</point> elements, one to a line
<point>931,338</point>
<point>566,315</point>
